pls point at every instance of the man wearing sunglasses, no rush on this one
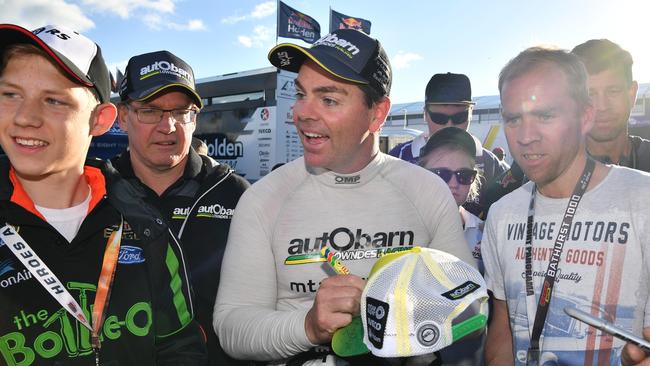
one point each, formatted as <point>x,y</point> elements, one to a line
<point>158,110</point>
<point>448,102</point>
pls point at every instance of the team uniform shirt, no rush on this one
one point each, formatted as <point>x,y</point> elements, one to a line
<point>149,318</point>
<point>473,232</point>
<point>272,267</point>
<point>602,269</point>
<point>487,165</point>
<point>198,208</point>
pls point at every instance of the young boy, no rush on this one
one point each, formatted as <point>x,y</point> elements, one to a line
<point>88,273</point>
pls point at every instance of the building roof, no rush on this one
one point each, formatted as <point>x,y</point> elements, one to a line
<point>485,102</point>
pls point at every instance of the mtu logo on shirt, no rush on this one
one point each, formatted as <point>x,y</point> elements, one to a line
<point>130,255</point>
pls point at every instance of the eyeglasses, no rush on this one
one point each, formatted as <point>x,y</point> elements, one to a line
<point>442,119</point>
<point>155,115</point>
<point>464,176</point>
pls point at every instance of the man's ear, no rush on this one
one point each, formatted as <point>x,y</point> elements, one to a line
<point>588,118</point>
<point>634,88</point>
<point>381,109</point>
<point>103,118</point>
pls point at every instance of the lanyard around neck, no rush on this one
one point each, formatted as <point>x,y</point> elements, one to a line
<point>39,270</point>
<point>552,269</point>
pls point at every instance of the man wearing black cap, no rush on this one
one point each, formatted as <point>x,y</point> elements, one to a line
<point>196,194</point>
<point>89,274</point>
<point>278,300</point>
<point>448,102</point>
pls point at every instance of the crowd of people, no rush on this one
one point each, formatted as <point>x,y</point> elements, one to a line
<point>163,256</point>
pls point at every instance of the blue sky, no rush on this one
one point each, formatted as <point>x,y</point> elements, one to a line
<point>421,37</point>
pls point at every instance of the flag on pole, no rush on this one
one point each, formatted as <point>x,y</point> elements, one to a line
<point>294,24</point>
<point>342,21</point>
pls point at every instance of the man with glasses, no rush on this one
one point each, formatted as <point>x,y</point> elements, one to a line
<point>158,110</point>
<point>448,102</point>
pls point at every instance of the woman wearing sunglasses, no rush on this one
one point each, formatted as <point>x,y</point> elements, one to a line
<point>450,153</point>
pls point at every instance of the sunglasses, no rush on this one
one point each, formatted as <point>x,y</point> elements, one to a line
<point>464,176</point>
<point>442,119</point>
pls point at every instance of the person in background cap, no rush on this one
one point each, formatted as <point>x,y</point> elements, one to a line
<point>450,153</point>
<point>277,300</point>
<point>197,195</point>
<point>574,236</point>
<point>80,252</point>
<point>448,102</point>
<point>613,93</point>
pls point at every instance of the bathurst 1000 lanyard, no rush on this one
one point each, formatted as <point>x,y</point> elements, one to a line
<point>549,279</point>
<point>39,270</point>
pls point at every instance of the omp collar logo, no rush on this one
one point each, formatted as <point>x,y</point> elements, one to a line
<point>339,179</point>
<point>130,255</point>
<point>461,291</point>
<point>180,213</point>
<point>331,40</point>
<point>164,67</point>
<point>215,211</point>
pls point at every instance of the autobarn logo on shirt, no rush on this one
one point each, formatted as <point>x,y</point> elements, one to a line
<point>349,244</point>
<point>180,213</point>
<point>215,211</point>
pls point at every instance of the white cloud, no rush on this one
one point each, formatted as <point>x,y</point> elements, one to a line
<point>403,59</point>
<point>191,25</point>
<point>260,36</point>
<point>233,19</point>
<point>245,41</point>
<point>32,14</point>
<point>124,8</point>
<point>261,10</point>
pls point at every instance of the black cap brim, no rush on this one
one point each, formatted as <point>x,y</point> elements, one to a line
<point>325,61</point>
<point>461,102</point>
<point>13,34</point>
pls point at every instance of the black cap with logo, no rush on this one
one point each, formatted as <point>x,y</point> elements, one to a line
<point>450,136</point>
<point>347,54</point>
<point>449,89</point>
<point>150,73</point>
<point>78,56</point>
